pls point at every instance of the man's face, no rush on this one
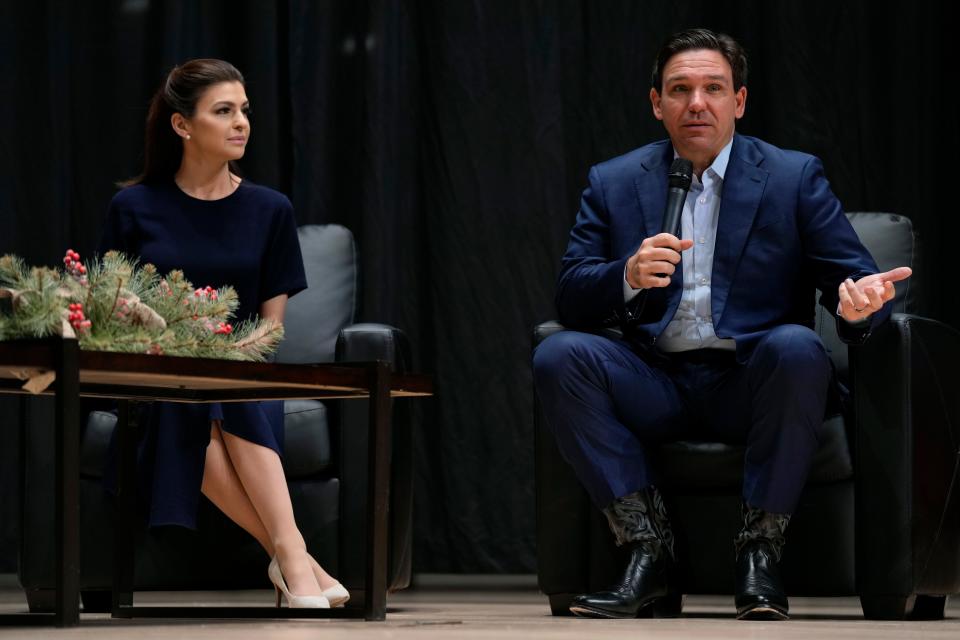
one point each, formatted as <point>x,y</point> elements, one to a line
<point>699,106</point>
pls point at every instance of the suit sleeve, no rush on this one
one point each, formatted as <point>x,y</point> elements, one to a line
<point>832,248</point>
<point>590,288</point>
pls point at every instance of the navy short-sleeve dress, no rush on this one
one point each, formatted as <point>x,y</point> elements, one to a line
<point>247,240</point>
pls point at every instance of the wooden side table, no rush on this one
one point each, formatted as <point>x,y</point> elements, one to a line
<point>130,377</point>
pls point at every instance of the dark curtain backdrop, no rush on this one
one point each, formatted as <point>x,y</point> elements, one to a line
<point>454,138</point>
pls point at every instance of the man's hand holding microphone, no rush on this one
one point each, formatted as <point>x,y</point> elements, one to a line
<point>658,256</point>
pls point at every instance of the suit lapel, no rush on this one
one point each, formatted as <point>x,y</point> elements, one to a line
<point>651,186</point>
<point>742,190</point>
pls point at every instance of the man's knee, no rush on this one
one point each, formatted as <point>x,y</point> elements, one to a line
<point>794,347</point>
<point>559,354</point>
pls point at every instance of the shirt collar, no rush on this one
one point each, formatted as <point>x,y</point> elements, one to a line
<point>719,166</point>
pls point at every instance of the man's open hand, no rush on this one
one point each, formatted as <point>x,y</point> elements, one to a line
<point>860,299</point>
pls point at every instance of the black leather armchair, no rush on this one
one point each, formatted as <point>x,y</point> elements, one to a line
<point>880,516</point>
<point>325,464</point>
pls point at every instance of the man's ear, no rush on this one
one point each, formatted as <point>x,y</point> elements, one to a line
<point>741,98</point>
<point>655,103</point>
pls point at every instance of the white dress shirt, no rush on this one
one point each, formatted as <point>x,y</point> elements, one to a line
<point>692,325</point>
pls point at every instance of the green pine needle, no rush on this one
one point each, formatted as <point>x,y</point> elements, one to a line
<point>130,308</point>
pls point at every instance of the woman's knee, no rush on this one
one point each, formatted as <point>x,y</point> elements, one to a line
<point>215,433</point>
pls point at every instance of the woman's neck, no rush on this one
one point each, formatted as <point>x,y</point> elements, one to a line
<point>204,181</point>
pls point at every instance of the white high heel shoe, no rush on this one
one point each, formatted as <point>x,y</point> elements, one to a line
<point>337,594</point>
<point>293,601</point>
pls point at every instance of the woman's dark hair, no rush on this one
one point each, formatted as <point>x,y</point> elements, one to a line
<point>179,93</point>
<point>702,39</point>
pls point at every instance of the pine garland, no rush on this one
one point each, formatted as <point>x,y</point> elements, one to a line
<point>114,304</point>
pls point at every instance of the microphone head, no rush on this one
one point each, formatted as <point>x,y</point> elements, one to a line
<point>681,174</point>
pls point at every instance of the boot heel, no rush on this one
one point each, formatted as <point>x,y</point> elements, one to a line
<point>669,606</point>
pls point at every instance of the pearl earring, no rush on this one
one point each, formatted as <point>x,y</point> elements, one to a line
<point>188,136</point>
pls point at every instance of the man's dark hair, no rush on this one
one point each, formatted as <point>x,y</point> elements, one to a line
<point>702,39</point>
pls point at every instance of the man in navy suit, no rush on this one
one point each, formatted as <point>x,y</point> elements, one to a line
<point>717,326</point>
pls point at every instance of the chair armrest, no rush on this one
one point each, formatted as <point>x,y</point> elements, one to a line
<point>562,515</point>
<point>907,439</point>
<point>363,343</point>
<point>562,506</point>
<point>546,329</point>
<point>370,341</point>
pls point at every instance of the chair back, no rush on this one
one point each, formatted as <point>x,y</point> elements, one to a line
<point>315,316</point>
<point>891,241</point>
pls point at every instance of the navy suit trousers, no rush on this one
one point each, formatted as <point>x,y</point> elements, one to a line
<point>606,406</point>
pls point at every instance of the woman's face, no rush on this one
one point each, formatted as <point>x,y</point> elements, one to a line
<point>220,126</point>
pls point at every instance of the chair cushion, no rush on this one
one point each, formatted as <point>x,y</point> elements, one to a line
<point>315,316</point>
<point>714,465</point>
<point>307,448</point>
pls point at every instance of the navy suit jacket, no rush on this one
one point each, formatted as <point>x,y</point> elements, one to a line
<point>781,233</point>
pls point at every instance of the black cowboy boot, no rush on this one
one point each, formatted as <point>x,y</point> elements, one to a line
<point>759,592</point>
<point>639,522</point>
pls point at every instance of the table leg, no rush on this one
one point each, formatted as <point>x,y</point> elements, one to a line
<point>378,493</point>
<point>67,496</point>
<point>125,511</point>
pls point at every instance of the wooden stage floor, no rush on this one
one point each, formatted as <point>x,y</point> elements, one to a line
<point>485,608</point>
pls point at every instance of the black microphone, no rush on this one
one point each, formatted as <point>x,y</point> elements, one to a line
<point>681,175</point>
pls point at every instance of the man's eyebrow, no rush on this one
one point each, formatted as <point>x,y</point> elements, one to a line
<point>684,76</point>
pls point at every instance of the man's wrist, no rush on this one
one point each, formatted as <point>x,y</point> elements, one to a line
<point>629,293</point>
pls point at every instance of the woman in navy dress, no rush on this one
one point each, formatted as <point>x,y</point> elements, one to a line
<point>190,210</point>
